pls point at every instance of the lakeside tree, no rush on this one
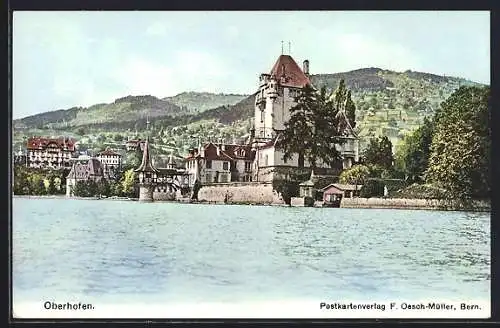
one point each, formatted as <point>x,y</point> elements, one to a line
<point>459,158</point>
<point>412,156</point>
<point>379,152</point>
<point>128,183</point>
<point>372,188</point>
<point>38,181</point>
<point>312,130</point>
<point>86,188</point>
<point>357,174</point>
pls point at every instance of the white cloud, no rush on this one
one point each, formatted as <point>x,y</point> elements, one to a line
<point>157,29</point>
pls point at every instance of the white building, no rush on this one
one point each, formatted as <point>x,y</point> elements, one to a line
<point>50,152</point>
<point>260,160</point>
<point>273,101</point>
<point>83,171</point>
<point>110,160</point>
<point>220,163</point>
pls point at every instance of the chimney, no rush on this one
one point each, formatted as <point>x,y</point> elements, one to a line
<point>222,145</point>
<point>306,67</point>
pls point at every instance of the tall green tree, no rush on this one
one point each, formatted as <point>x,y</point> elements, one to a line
<point>412,156</point>
<point>379,152</point>
<point>460,149</point>
<point>343,100</point>
<point>312,130</point>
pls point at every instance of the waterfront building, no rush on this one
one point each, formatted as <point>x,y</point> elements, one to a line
<point>220,163</point>
<point>160,183</point>
<point>110,160</point>
<point>147,175</point>
<point>259,160</point>
<point>84,170</point>
<point>50,152</point>
<point>336,191</point>
<point>273,101</point>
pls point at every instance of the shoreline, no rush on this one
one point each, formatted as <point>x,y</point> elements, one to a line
<point>356,203</point>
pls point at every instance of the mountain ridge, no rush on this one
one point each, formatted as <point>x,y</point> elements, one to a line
<point>377,93</point>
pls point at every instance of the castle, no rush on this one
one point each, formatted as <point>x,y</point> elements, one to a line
<point>257,160</point>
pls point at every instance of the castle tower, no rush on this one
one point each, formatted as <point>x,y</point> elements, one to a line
<point>275,97</point>
<point>147,175</point>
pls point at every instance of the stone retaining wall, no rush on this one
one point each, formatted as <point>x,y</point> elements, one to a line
<point>240,192</point>
<point>421,204</point>
<point>297,201</point>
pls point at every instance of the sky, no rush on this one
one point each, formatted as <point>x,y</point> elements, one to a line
<point>79,58</point>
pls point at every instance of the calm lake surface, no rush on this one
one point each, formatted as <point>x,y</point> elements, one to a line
<point>124,251</point>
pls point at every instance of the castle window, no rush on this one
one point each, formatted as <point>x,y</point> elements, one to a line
<point>225,166</point>
<point>209,164</point>
<point>248,166</point>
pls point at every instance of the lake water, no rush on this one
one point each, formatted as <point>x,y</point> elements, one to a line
<point>119,251</point>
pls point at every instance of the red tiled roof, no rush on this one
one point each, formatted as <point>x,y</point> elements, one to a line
<point>230,152</point>
<point>243,152</point>
<point>286,68</point>
<point>211,153</point>
<point>37,143</point>
<point>109,152</point>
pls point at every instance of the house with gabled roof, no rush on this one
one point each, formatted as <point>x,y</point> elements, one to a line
<point>220,163</point>
<point>91,169</point>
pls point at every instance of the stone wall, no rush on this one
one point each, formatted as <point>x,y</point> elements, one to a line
<point>297,201</point>
<point>145,193</point>
<point>240,192</point>
<point>389,203</point>
<point>163,195</point>
<point>420,204</point>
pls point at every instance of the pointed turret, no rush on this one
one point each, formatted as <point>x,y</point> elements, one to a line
<point>146,164</point>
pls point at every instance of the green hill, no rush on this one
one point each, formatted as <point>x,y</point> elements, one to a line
<point>197,102</point>
<point>388,103</point>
